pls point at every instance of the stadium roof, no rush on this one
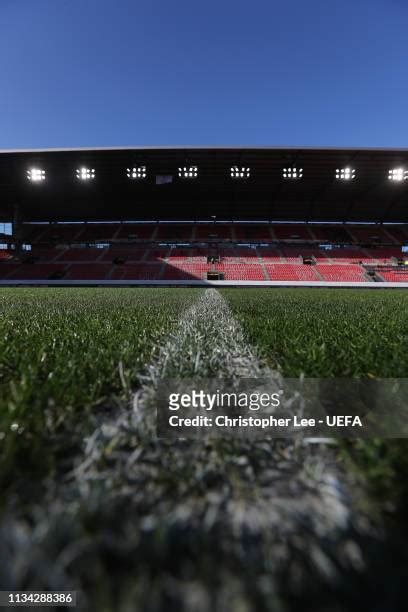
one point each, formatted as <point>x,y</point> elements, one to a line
<point>267,194</point>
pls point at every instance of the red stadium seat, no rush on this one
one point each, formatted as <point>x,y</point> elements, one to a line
<point>335,234</point>
<point>270,255</point>
<point>7,269</point>
<point>296,254</point>
<point>394,276</point>
<point>349,255</point>
<point>385,254</point>
<point>294,231</point>
<point>399,233</point>
<point>51,232</point>
<point>341,272</point>
<point>249,232</point>
<point>98,232</point>
<point>5,254</point>
<point>85,271</point>
<point>213,231</point>
<point>156,255</point>
<point>90,254</point>
<point>37,271</point>
<point>142,271</point>
<point>138,231</point>
<point>291,272</point>
<point>173,231</point>
<point>186,271</point>
<point>127,253</point>
<point>373,234</point>
<point>241,271</point>
<point>181,255</point>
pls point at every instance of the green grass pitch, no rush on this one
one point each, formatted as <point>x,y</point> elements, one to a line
<point>71,358</point>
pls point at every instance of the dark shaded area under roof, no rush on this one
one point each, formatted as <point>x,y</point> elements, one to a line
<point>112,196</point>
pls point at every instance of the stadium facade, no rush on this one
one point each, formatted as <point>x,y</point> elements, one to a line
<point>189,215</point>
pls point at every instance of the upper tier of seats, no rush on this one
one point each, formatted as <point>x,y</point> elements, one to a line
<point>121,253</point>
<point>61,233</point>
<point>5,254</point>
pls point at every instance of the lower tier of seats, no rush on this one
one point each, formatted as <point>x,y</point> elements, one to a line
<point>197,269</point>
<point>341,272</point>
<point>394,276</point>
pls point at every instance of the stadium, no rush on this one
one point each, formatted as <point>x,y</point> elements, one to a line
<point>205,216</point>
<point>203,306</point>
<point>121,268</point>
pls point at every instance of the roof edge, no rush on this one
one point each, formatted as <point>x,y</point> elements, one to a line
<point>205,148</point>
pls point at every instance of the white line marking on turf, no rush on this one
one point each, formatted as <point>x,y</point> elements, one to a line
<point>297,496</point>
<point>209,341</point>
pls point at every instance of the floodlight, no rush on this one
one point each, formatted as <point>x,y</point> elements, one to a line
<point>240,172</point>
<point>398,174</point>
<point>345,174</point>
<point>138,172</point>
<point>292,173</point>
<point>188,172</point>
<point>85,174</point>
<point>36,175</point>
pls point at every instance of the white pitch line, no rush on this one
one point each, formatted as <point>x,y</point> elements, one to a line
<point>209,342</point>
<point>300,493</point>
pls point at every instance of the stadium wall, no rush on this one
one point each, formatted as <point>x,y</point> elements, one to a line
<point>200,283</point>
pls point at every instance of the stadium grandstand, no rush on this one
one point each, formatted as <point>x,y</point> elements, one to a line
<point>233,216</point>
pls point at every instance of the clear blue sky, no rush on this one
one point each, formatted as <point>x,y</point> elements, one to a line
<point>151,72</point>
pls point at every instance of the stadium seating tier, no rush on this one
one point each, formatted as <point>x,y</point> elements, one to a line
<point>152,251</point>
